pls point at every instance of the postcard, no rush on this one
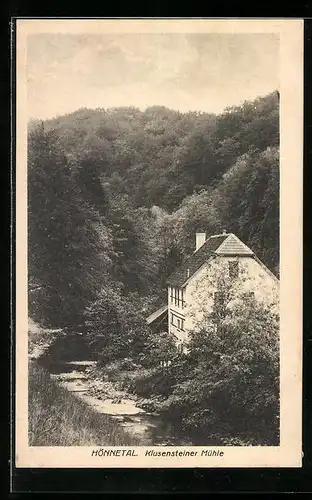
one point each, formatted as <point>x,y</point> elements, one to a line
<point>159,167</point>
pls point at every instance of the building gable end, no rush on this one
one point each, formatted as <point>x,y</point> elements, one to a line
<point>233,246</point>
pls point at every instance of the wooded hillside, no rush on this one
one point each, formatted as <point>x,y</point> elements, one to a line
<point>116,195</point>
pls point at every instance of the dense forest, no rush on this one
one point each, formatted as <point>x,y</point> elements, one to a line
<point>114,200</point>
<point>116,195</point>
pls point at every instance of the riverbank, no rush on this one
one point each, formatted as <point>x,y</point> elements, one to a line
<point>59,418</point>
<point>95,388</point>
<point>81,384</point>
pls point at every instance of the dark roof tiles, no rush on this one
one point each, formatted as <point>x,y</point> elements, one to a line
<point>196,260</point>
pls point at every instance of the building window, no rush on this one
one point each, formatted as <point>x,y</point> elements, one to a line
<point>233,269</point>
<point>177,296</point>
<point>182,298</point>
<point>219,299</point>
<point>177,322</point>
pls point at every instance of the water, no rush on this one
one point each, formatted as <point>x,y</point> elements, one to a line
<point>148,428</point>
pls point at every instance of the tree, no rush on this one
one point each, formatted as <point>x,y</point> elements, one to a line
<point>69,249</point>
<point>116,326</point>
<point>254,217</point>
<point>95,177</point>
<point>196,213</point>
<point>229,385</point>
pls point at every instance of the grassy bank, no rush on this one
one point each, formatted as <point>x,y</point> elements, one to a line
<point>58,418</point>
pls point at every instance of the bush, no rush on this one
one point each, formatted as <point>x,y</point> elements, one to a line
<point>150,382</point>
<point>116,325</point>
<point>160,347</point>
<point>127,365</point>
<point>228,383</point>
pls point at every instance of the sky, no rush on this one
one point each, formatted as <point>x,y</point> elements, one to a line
<point>185,72</point>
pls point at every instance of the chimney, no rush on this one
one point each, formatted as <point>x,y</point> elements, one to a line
<point>200,240</point>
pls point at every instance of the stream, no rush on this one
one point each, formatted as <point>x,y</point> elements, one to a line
<point>148,428</point>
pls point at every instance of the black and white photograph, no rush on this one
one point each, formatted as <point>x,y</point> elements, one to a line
<point>153,171</point>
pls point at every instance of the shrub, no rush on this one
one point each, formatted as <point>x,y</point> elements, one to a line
<point>160,347</point>
<point>228,383</point>
<point>116,325</point>
<point>153,381</point>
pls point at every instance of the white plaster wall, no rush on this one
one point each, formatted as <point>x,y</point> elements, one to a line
<point>200,289</point>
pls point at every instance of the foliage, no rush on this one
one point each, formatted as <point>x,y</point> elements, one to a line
<point>58,418</point>
<point>160,349</point>
<point>116,195</point>
<point>229,384</point>
<point>152,382</point>
<point>117,329</point>
<point>160,155</point>
<point>68,248</point>
<point>40,340</point>
<point>116,326</point>
<point>253,217</point>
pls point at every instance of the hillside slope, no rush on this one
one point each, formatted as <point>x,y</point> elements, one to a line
<point>116,195</point>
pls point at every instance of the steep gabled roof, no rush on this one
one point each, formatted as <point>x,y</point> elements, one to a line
<point>221,244</point>
<point>196,260</point>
